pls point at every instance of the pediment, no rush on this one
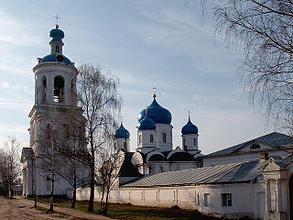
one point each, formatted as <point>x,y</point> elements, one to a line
<point>272,165</point>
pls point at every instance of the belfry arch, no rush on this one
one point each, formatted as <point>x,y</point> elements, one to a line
<point>59,89</point>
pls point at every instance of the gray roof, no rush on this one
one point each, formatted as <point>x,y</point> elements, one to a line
<point>274,139</point>
<point>228,173</point>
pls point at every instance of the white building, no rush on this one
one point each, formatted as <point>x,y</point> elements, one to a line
<point>50,120</point>
<point>257,187</point>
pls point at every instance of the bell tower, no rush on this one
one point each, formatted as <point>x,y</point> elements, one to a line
<point>55,108</point>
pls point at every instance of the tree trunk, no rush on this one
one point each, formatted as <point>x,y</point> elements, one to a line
<point>10,191</point>
<point>92,192</point>
<point>92,177</point>
<point>107,200</point>
<point>51,206</point>
<point>101,210</point>
<point>74,193</point>
<point>35,200</point>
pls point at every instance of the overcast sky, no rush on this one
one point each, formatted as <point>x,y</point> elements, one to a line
<point>166,43</point>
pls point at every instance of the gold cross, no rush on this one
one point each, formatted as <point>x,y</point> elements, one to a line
<point>154,92</point>
<point>57,20</point>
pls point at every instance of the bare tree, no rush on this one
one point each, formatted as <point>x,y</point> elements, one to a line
<point>9,165</point>
<point>100,101</point>
<point>112,160</point>
<point>73,150</point>
<point>264,29</point>
<point>49,159</point>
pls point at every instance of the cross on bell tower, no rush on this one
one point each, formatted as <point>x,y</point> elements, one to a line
<point>57,20</point>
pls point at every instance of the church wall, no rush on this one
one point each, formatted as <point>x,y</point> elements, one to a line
<point>167,129</point>
<point>244,198</point>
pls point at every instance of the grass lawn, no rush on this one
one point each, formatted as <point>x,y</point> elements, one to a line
<point>129,212</point>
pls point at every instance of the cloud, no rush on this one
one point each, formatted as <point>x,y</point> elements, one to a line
<point>15,32</point>
<point>9,103</point>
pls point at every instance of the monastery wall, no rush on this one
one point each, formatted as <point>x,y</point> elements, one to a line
<point>247,198</point>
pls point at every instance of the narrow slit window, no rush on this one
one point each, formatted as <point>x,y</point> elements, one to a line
<point>151,138</point>
<point>164,137</point>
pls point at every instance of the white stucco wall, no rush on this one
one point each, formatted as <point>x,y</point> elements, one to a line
<point>245,200</point>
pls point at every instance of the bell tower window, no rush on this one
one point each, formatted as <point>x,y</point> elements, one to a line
<point>58,89</point>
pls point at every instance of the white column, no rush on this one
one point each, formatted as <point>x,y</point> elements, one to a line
<point>279,196</point>
<point>268,196</point>
<point>50,88</point>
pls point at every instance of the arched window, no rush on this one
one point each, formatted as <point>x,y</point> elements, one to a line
<point>44,89</point>
<point>139,139</point>
<point>164,136</point>
<point>151,138</point>
<point>58,89</point>
<point>125,146</point>
<point>194,141</point>
<point>254,146</point>
<point>183,142</point>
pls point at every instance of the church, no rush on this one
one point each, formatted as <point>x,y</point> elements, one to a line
<point>253,178</point>
<point>51,122</point>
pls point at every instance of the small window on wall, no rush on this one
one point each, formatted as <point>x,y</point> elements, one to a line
<point>164,137</point>
<point>194,141</point>
<point>151,138</point>
<point>125,145</point>
<point>198,202</point>
<point>57,49</point>
<point>206,199</point>
<point>226,199</point>
<point>139,139</point>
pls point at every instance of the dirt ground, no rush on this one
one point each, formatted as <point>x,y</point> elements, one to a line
<point>22,209</point>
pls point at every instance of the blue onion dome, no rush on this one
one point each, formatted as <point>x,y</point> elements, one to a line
<point>55,58</point>
<point>57,34</point>
<point>122,132</point>
<point>189,128</point>
<point>146,123</point>
<point>156,113</point>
